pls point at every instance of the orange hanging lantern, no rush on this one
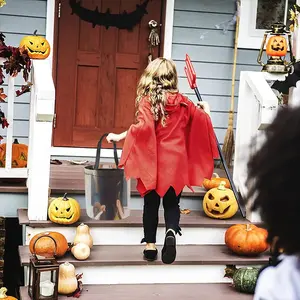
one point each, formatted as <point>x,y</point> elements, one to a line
<point>276,50</point>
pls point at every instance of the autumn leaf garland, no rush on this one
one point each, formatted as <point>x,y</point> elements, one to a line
<point>16,60</point>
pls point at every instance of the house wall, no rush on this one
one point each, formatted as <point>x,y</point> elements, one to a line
<point>19,18</point>
<point>212,58</point>
<point>212,55</point>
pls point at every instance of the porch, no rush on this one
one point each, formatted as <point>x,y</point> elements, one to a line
<point>202,254</point>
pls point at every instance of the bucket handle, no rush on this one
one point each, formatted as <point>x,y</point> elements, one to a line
<point>99,146</point>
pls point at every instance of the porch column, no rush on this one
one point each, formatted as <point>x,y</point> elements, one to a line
<point>294,99</point>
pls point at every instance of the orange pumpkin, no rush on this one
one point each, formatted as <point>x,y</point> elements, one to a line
<point>19,155</point>
<point>246,239</point>
<point>276,46</point>
<point>214,182</point>
<point>45,246</point>
<point>3,295</point>
<point>37,46</point>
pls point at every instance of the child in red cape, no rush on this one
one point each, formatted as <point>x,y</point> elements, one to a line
<point>171,146</point>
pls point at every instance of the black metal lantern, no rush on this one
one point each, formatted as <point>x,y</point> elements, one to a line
<point>43,276</point>
<point>276,49</point>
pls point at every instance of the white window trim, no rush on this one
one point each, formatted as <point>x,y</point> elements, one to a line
<point>249,36</point>
<point>168,38</point>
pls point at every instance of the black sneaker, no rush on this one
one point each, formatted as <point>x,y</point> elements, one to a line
<point>150,254</point>
<point>169,250</point>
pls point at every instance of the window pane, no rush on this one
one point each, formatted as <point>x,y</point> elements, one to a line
<point>270,12</point>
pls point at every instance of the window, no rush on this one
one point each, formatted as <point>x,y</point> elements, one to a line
<point>257,16</point>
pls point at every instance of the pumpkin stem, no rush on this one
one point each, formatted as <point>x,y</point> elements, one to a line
<point>230,270</point>
<point>35,32</point>
<point>16,141</point>
<point>221,186</point>
<point>3,292</point>
<point>248,227</point>
<point>215,175</point>
<point>65,197</point>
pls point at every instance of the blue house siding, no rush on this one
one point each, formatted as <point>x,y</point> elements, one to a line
<point>19,18</point>
<point>212,55</point>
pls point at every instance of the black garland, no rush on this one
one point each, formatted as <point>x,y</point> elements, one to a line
<point>121,21</point>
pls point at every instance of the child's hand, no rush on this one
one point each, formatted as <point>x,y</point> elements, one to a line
<point>204,105</point>
<point>112,137</point>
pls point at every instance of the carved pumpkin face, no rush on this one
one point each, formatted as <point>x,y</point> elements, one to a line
<point>19,155</point>
<point>276,46</point>
<point>64,210</point>
<point>37,46</point>
<point>220,203</point>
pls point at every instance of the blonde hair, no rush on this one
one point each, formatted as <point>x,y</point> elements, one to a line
<point>159,77</point>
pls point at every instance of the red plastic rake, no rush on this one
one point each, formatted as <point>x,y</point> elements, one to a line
<point>191,76</point>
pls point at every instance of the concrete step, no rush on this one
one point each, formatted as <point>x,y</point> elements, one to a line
<point>156,291</point>
<point>125,265</point>
<point>197,229</point>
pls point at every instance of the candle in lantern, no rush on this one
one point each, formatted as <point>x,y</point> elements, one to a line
<point>46,288</point>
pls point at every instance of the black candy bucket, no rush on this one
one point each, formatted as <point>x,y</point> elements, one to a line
<point>107,192</point>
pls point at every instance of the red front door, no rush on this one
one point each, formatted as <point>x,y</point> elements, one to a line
<point>97,72</point>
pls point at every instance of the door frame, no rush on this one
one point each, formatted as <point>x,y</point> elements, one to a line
<point>52,34</point>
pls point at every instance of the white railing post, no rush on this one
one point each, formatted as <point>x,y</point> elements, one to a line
<point>257,107</point>
<point>294,97</point>
<point>10,118</point>
<point>41,124</point>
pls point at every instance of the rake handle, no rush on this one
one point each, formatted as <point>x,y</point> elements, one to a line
<point>191,75</point>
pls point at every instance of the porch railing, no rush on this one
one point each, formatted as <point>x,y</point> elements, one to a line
<point>257,107</point>
<point>40,136</point>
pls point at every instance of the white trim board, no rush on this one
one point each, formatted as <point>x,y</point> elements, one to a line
<point>167,46</point>
<point>249,36</point>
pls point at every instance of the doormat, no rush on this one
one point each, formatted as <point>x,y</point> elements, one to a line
<point>122,21</point>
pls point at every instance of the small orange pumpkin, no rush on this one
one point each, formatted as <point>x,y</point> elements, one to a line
<point>246,239</point>
<point>3,295</point>
<point>19,155</point>
<point>276,46</point>
<point>214,182</point>
<point>45,246</point>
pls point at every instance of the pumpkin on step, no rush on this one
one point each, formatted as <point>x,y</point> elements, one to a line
<point>244,279</point>
<point>246,239</point>
<point>64,210</point>
<point>3,295</point>
<point>67,281</point>
<point>45,246</point>
<point>37,46</point>
<point>220,203</point>
<point>19,155</point>
<point>214,182</point>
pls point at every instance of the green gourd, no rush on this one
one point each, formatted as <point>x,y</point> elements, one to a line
<point>244,279</point>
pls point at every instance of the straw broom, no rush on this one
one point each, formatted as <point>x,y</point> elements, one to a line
<point>228,146</point>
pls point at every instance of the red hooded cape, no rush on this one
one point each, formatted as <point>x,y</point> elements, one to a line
<point>180,154</point>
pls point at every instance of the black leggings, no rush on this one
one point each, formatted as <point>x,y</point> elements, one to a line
<point>150,215</point>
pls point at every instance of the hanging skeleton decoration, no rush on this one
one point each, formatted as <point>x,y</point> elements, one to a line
<point>153,38</point>
<point>122,21</point>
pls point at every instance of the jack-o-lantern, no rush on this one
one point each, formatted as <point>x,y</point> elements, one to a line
<point>276,46</point>
<point>19,155</point>
<point>64,210</point>
<point>37,46</point>
<point>220,203</point>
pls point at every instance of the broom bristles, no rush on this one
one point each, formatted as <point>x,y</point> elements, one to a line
<point>228,146</point>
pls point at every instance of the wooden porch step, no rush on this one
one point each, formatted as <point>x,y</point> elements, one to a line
<point>132,256</point>
<point>215,291</point>
<point>194,219</point>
